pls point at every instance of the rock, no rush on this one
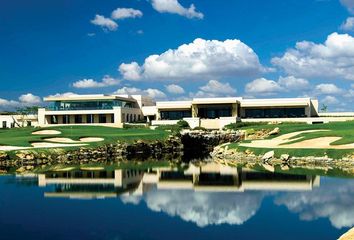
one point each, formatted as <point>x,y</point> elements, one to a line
<point>268,155</point>
<point>284,157</point>
<point>21,155</point>
<point>21,169</point>
<point>248,152</point>
<point>275,131</point>
<point>285,168</point>
<point>268,167</point>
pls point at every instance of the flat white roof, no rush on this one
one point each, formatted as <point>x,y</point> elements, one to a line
<point>275,102</point>
<point>174,104</point>
<point>216,100</point>
<point>88,97</point>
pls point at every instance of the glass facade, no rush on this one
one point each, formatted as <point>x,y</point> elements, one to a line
<point>175,115</point>
<point>274,112</point>
<point>89,105</point>
<point>215,112</point>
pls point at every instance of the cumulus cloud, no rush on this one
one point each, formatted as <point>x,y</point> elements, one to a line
<point>197,60</point>
<point>121,13</point>
<point>215,88</point>
<point>174,89</point>
<point>90,83</point>
<point>349,4</point>
<point>204,208</point>
<point>173,6</point>
<point>27,99</point>
<point>334,201</point>
<point>151,92</point>
<point>66,94</point>
<point>106,24</point>
<point>263,86</point>
<point>330,100</point>
<point>293,83</point>
<point>334,59</point>
<point>327,88</point>
<point>348,25</point>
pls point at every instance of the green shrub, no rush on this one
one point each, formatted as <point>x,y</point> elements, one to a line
<point>238,125</point>
<point>200,128</point>
<point>182,124</point>
<point>128,126</point>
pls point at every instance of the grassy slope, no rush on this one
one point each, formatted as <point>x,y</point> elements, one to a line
<point>337,129</point>
<point>24,136</point>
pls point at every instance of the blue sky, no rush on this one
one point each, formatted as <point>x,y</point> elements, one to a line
<point>247,48</point>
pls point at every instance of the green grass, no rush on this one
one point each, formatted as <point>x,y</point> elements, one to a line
<point>24,137</point>
<point>345,130</point>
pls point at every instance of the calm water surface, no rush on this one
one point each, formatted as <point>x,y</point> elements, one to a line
<point>209,202</point>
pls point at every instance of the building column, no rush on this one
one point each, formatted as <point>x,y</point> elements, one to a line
<point>41,117</point>
<point>194,111</point>
<point>234,110</point>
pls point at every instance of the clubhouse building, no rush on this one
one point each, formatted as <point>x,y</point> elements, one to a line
<point>210,113</point>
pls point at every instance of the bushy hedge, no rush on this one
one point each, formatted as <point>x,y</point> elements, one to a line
<point>238,125</point>
<point>181,124</point>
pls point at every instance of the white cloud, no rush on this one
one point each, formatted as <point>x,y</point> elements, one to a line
<point>348,25</point>
<point>29,98</point>
<point>90,83</point>
<point>327,88</point>
<point>151,92</point>
<point>121,13</point>
<point>293,83</point>
<point>173,6</point>
<point>263,86</point>
<point>331,100</point>
<point>206,208</point>
<point>174,89</point>
<point>106,24</point>
<point>214,86</point>
<point>197,60</point>
<point>66,94</point>
<point>333,201</point>
<point>349,4</point>
<point>131,71</point>
<point>334,59</point>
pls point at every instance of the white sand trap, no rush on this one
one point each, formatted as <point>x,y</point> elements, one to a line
<point>283,142</point>
<point>92,168</point>
<point>69,140</point>
<point>91,139</point>
<point>12,148</point>
<point>54,145</point>
<point>46,132</point>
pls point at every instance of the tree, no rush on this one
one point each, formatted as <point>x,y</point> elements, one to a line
<point>324,108</point>
<point>23,112</point>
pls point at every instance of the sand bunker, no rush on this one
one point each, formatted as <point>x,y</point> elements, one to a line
<point>46,132</point>
<point>283,141</point>
<point>53,145</point>
<point>12,148</point>
<point>69,140</point>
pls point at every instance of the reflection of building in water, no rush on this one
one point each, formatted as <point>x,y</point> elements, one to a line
<point>215,177</point>
<point>90,183</point>
<point>211,177</point>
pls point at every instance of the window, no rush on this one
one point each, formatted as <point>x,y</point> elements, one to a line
<point>66,119</point>
<point>102,118</point>
<point>4,124</point>
<point>112,118</point>
<point>175,115</point>
<point>275,113</point>
<point>215,112</point>
<point>54,119</point>
<point>89,118</point>
<point>78,118</point>
<point>127,118</point>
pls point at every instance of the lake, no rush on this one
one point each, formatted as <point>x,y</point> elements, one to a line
<point>182,202</point>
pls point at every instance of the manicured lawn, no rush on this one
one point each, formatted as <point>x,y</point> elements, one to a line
<point>24,136</point>
<point>336,129</point>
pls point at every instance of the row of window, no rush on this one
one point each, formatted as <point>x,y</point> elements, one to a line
<point>275,113</point>
<point>175,115</point>
<point>131,117</point>
<point>67,119</point>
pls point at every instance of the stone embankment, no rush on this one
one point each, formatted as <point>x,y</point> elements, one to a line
<point>223,155</point>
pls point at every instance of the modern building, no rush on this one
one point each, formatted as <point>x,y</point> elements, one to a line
<point>17,120</point>
<point>108,110</point>
<point>210,113</point>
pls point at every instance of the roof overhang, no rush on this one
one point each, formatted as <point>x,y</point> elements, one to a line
<point>94,97</point>
<point>276,102</point>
